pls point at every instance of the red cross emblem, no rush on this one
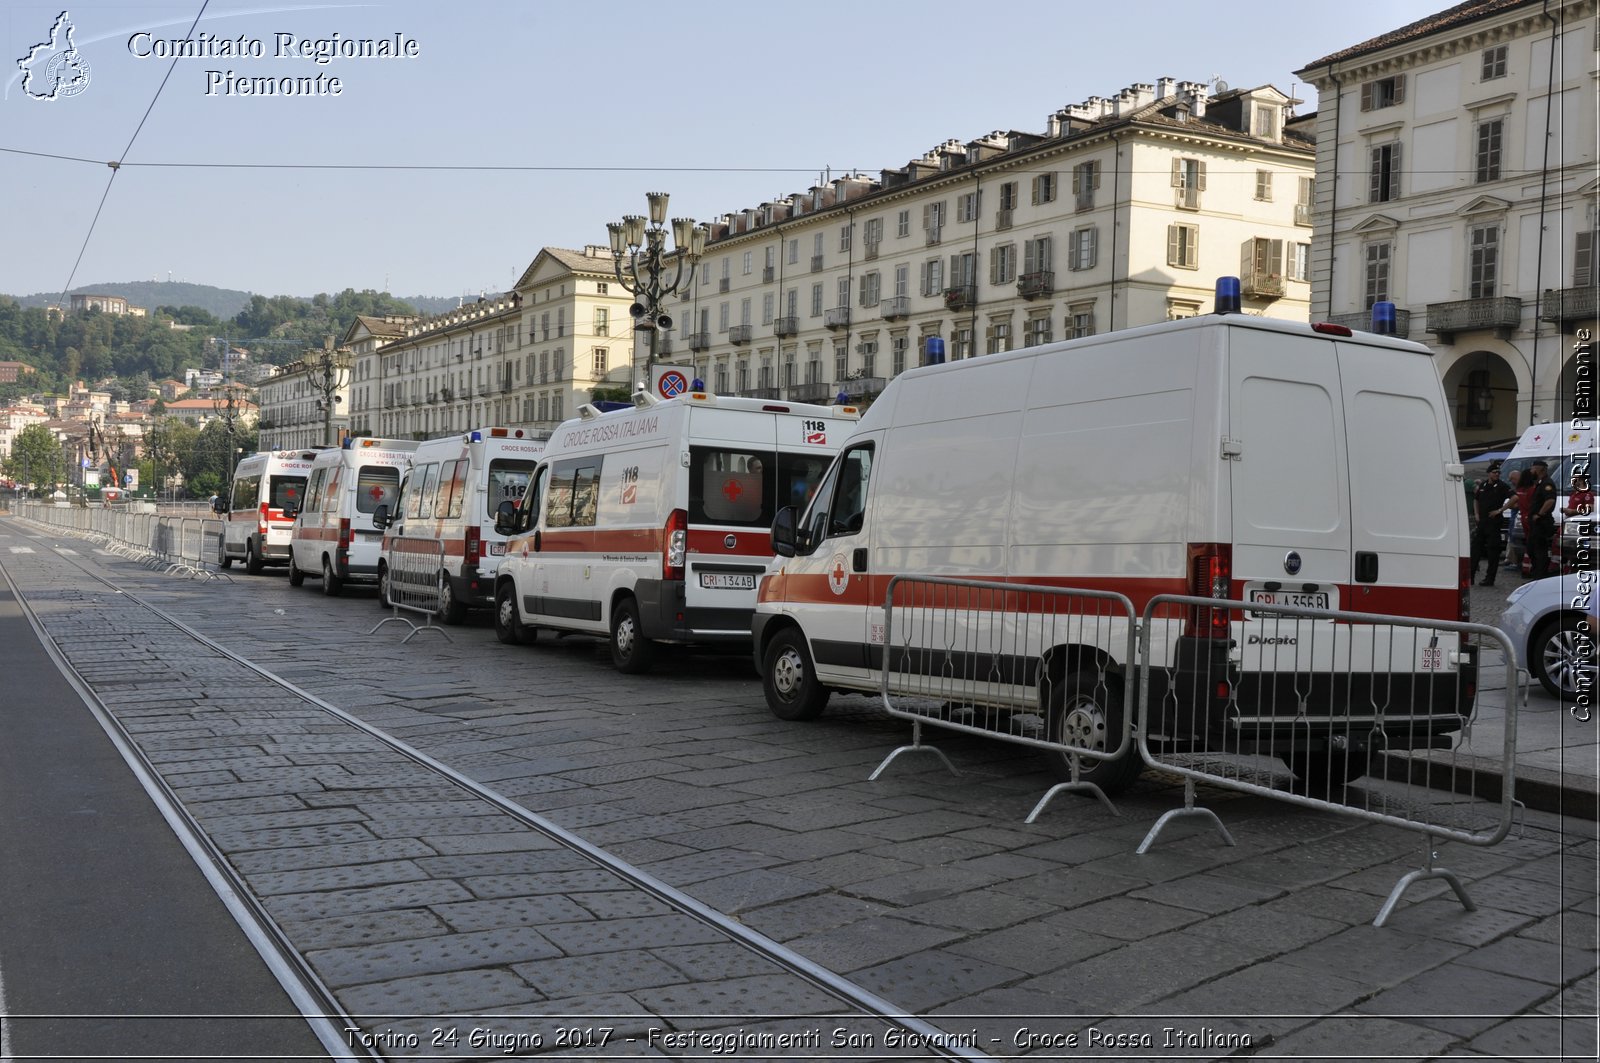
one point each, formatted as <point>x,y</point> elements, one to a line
<point>376,492</point>
<point>732,490</point>
<point>838,571</point>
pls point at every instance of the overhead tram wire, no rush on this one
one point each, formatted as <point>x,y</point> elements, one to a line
<point>117,165</point>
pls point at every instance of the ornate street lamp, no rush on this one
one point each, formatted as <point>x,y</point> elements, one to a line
<point>328,374</point>
<point>644,247</point>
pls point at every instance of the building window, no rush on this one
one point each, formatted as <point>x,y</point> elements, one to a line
<point>873,233</point>
<point>967,206</point>
<point>1490,136</point>
<point>1080,320</point>
<point>902,280</point>
<point>1038,255</point>
<point>1044,188</point>
<point>744,311</point>
<point>1385,92</point>
<point>1083,248</point>
<point>722,378</point>
<point>1189,179</point>
<point>843,292</point>
<point>841,362</point>
<point>1183,246</point>
<point>1036,330</point>
<point>602,321</point>
<point>845,232</point>
<point>1264,186</point>
<point>1300,262</point>
<point>1377,278</point>
<point>933,219</point>
<point>1484,263</point>
<point>749,262</point>
<point>963,270</point>
<point>1266,121</point>
<point>816,300</point>
<point>1003,264</point>
<point>600,357</point>
<point>742,372</point>
<point>767,303</point>
<point>999,337</point>
<point>1494,63</point>
<point>869,358</point>
<point>1085,179</point>
<point>961,343</point>
<point>1585,247</point>
<point>871,288</point>
<point>602,288</point>
<point>933,277</point>
<point>722,317</point>
<point>1384,176</point>
<point>1008,196</point>
<point>897,355</point>
<point>794,251</point>
<point>1178,309</point>
<point>902,223</point>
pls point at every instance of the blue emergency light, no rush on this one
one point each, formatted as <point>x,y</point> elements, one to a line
<point>933,351</point>
<point>697,384</point>
<point>1383,319</point>
<point>1227,295</point>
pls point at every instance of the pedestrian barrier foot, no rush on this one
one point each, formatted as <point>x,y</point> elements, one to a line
<point>415,628</point>
<point>916,746</point>
<point>1427,871</point>
<point>1187,811</point>
<point>1075,786</point>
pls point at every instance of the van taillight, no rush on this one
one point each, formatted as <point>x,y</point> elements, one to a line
<point>676,548</point>
<point>474,545</point>
<point>1464,591</point>
<point>1210,576</point>
<point>343,551</point>
<point>261,521</point>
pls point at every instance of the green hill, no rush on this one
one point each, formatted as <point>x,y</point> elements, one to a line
<point>221,303</point>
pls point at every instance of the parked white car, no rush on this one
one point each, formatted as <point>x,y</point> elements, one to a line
<point>1554,623</point>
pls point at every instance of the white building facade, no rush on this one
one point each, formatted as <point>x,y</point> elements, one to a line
<point>1456,178</point>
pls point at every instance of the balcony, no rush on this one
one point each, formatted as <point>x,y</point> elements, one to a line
<point>863,387</point>
<point>820,392</point>
<point>1034,285</point>
<point>762,393</point>
<point>768,274</point>
<point>816,263</point>
<point>1362,322</point>
<point>663,342</point>
<point>1503,314</point>
<point>933,236</point>
<point>1002,219</point>
<point>869,251</point>
<point>961,297</point>
<point>1262,284</point>
<point>483,390</point>
<point>836,317</point>
<point>786,326</point>
<point>1567,305</point>
<point>723,283</point>
<point>699,341</point>
<point>1302,214</point>
<point>896,306</point>
<point>739,334</point>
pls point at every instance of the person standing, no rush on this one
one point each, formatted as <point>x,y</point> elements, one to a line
<point>1542,521</point>
<point>1522,484</point>
<point>1489,503</point>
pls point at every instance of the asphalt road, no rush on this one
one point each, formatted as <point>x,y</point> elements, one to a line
<point>112,943</point>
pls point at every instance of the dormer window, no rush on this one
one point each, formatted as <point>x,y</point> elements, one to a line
<point>1266,122</point>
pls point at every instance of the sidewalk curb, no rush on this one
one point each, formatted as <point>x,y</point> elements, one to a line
<point>1536,788</point>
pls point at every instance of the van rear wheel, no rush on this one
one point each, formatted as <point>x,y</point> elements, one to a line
<point>451,611</point>
<point>252,560</point>
<point>296,577</point>
<point>508,627</point>
<point>331,584</point>
<point>383,586</point>
<point>1323,773</point>
<point>789,679</point>
<point>631,652</point>
<point>1085,711</point>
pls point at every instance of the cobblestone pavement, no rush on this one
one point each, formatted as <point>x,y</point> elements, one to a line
<point>411,896</point>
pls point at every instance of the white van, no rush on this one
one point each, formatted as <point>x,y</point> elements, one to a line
<point>652,524</point>
<point>452,492</point>
<point>267,489</point>
<point>1224,456</point>
<point>1565,447</point>
<point>334,536</point>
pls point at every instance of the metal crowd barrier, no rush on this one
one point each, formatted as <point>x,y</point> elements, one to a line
<point>1041,666</point>
<point>173,542</point>
<point>411,583</point>
<point>1316,698</point>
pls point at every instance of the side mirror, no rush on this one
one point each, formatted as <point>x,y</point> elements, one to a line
<point>783,532</point>
<point>380,516</point>
<point>505,518</point>
<point>290,512</point>
<point>220,506</point>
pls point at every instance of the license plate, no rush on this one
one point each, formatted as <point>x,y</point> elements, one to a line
<point>728,581</point>
<point>1302,599</point>
<point>497,549</point>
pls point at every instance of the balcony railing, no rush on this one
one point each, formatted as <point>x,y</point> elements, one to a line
<point>739,334</point>
<point>1501,313</point>
<point>1302,214</point>
<point>786,326</point>
<point>961,297</point>
<point>1362,322</point>
<point>836,317</point>
<point>869,250</point>
<point>933,236</point>
<point>862,387</point>
<point>723,283</point>
<point>819,392</point>
<point>699,341</point>
<point>1033,285</point>
<point>762,393</point>
<point>896,306</point>
<point>1262,284</point>
<point>1002,219</point>
<point>816,263</point>
<point>1567,304</point>
<point>768,274</point>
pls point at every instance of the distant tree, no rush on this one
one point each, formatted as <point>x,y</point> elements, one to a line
<point>36,457</point>
<point>189,315</point>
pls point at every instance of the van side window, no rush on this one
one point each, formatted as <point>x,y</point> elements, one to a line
<point>246,490</point>
<point>573,497</point>
<point>458,488</point>
<point>849,506</point>
<point>314,489</point>
<point>287,491</point>
<point>376,485</point>
<point>532,504</point>
<point>430,488</point>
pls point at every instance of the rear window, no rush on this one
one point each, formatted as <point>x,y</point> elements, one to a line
<point>287,492</point>
<point>376,485</point>
<point>508,482</point>
<point>744,488</point>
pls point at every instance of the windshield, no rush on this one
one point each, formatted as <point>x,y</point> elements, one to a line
<point>376,485</point>
<point>287,491</point>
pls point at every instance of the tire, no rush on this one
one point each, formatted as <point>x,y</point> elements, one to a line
<point>296,577</point>
<point>631,652</point>
<point>789,680</point>
<point>1562,657</point>
<point>451,611</point>
<point>1324,773</point>
<point>383,586</point>
<point>223,558</point>
<point>331,584</point>
<point>1085,710</point>
<point>252,560</point>
<point>507,620</point>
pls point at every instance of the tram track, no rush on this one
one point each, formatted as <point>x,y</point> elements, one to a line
<point>318,1003</point>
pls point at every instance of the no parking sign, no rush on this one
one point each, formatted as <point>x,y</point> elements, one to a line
<point>671,381</point>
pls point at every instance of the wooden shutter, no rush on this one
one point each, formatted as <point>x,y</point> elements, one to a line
<point>1177,173</point>
<point>1394,170</point>
<point>1366,96</point>
<point>1583,270</point>
<point>994,265</point>
<point>1200,177</point>
<point>1094,247</point>
<point>1077,179</point>
<point>1036,191</point>
<point>1030,259</point>
<point>1399,88</point>
<point>1375,176</point>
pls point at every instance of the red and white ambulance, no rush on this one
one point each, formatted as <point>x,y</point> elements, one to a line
<point>259,508</point>
<point>334,533</point>
<point>651,524</point>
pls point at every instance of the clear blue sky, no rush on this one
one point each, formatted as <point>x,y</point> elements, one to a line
<point>723,103</point>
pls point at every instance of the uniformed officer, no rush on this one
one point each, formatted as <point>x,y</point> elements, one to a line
<point>1488,506</point>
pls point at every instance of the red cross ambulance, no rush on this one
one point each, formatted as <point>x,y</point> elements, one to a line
<point>334,534</point>
<point>651,524</point>
<point>259,508</point>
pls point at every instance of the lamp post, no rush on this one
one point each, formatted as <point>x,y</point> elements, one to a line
<point>327,377</point>
<point>637,251</point>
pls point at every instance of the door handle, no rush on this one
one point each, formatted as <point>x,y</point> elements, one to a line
<point>858,559</point>
<point>1366,566</point>
<point>538,540</point>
